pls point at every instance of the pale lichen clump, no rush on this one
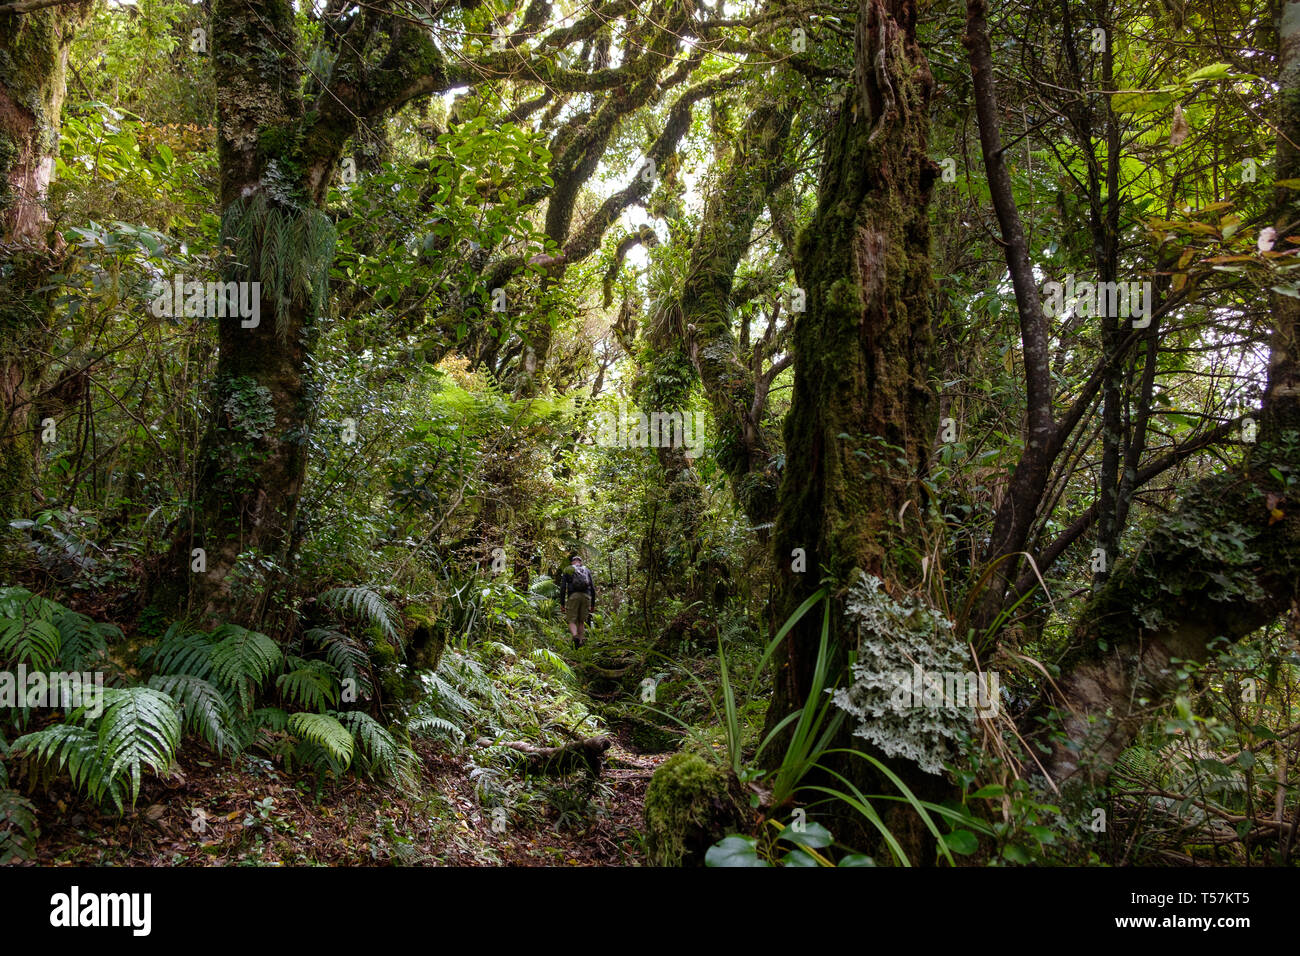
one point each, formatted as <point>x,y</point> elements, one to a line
<point>895,639</point>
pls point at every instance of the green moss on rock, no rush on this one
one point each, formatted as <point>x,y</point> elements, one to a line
<point>690,804</point>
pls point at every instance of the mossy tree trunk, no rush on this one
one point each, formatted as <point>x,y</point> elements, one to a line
<point>33,83</point>
<point>758,168</point>
<point>278,150</point>
<point>862,417</point>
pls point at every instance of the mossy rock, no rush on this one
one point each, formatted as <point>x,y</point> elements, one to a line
<point>690,805</point>
<point>425,637</point>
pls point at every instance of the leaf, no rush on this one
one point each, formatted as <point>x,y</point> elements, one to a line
<point>798,858</point>
<point>961,841</point>
<point>857,859</point>
<point>1215,71</point>
<point>734,851</point>
<point>814,836</point>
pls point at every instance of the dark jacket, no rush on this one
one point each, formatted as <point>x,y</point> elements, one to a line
<point>570,583</point>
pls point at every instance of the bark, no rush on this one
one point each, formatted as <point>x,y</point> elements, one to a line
<point>33,69</point>
<point>1222,566</point>
<point>733,388</point>
<point>861,358</point>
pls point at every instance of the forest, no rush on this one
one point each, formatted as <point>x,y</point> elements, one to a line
<point>655,433</point>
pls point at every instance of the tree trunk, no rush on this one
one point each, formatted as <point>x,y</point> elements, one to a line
<point>33,70</point>
<point>253,459</point>
<point>861,421</point>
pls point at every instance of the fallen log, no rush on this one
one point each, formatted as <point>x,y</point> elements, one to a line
<point>586,753</point>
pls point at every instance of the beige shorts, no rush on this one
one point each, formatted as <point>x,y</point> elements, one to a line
<point>577,607</point>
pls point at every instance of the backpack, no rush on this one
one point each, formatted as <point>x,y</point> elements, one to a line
<point>581,579</point>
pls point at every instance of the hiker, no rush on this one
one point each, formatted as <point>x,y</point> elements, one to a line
<point>577,597</point>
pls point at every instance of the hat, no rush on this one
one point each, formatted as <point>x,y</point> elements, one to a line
<point>574,557</point>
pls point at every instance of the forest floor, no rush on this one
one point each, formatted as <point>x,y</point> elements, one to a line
<point>209,813</point>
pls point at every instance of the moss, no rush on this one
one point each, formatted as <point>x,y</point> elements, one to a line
<point>425,637</point>
<point>690,805</point>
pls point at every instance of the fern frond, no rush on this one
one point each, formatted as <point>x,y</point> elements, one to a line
<point>204,709</point>
<point>380,754</point>
<point>83,641</point>
<point>74,748</point>
<point>242,660</point>
<point>551,660</point>
<point>269,718</point>
<point>18,830</point>
<point>311,684</point>
<point>325,732</point>
<point>139,727</point>
<point>368,604</point>
<point>429,725</point>
<point>33,641</point>
<point>181,652</point>
<point>444,696</point>
<point>347,655</point>
<point>20,602</point>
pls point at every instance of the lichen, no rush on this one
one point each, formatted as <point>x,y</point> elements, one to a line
<point>896,638</point>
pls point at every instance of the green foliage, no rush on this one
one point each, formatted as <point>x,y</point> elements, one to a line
<point>328,734</point>
<point>105,753</point>
<point>18,829</point>
<point>242,660</point>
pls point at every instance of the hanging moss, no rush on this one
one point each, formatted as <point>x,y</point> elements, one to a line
<point>690,805</point>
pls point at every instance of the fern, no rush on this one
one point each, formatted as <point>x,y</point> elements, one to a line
<point>310,685</point>
<point>20,602</point>
<point>83,642</point>
<point>30,637</point>
<point>347,655</point>
<point>205,710</point>
<point>428,725</point>
<point>18,831</point>
<point>139,727</point>
<point>377,751</point>
<point>268,718</point>
<point>242,660</point>
<point>551,660</point>
<point>327,733</point>
<point>369,605</point>
<point>180,652</point>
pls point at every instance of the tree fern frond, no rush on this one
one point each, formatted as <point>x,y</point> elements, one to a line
<point>367,603</point>
<point>311,684</point>
<point>242,660</point>
<point>325,732</point>
<point>181,652</point>
<point>205,710</point>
